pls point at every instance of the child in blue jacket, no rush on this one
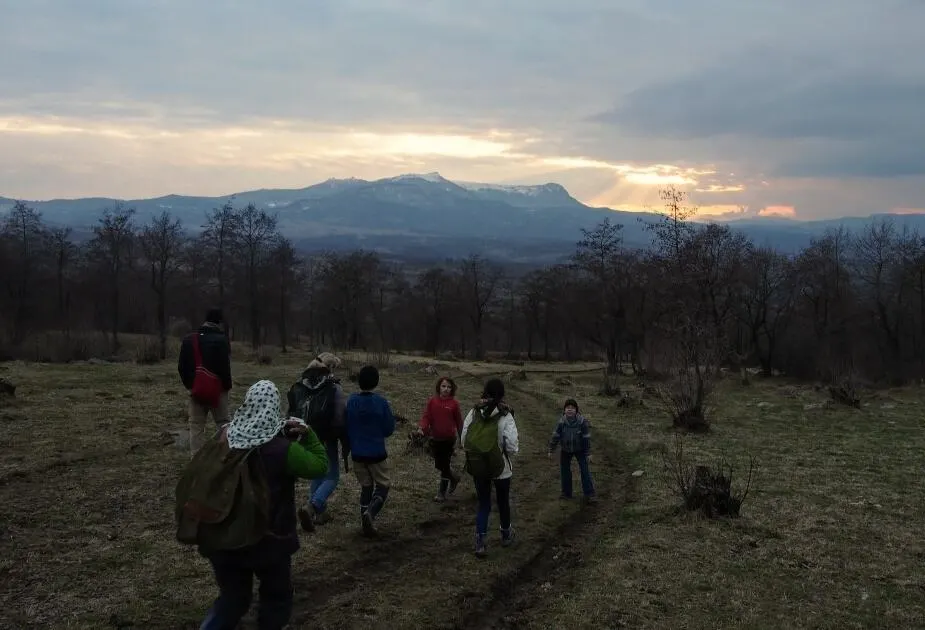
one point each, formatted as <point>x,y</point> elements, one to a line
<point>369,422</point>
<point>573,435</point>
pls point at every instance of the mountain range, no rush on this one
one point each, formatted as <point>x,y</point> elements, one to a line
<point>428,217</point>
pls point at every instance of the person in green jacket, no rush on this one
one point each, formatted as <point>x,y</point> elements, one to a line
<point>288,450</point>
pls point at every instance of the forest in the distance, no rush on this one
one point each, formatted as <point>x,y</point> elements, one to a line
<point>700,295</point>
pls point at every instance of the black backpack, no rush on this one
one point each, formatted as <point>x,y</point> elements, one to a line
<point>318,407</point>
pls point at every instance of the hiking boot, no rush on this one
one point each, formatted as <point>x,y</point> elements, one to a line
<point>369,516</point>
<point>307,517</point>
<point>507,537</point>
<point>590,500</point>
<point>440,497</point>
<point>454,483</point>
<point>323,518</point>
<point>441,491</point>
<point>565,497</point>
<point>369,526</point>
<point>481,548</point>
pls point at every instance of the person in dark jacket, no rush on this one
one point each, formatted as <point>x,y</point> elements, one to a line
<point>573,435</point>
<point>369,422</point>
<point>288,450</point>
<point>216,357</point>
<point>316,377</point>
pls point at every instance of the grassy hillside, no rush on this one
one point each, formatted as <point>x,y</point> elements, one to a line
<point>830,535</point>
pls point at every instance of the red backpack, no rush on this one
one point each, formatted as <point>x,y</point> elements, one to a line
<point>207,387</point>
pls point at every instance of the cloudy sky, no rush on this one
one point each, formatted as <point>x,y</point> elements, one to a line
<point>813,108</point>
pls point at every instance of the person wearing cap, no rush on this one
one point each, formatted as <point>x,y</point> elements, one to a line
<point>214,353</point>
<point>326,416</point>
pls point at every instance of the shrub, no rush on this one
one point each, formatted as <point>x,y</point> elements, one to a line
<point>610,384</point>
<point>265,355</point>
<point>57,347</point>
<point>686,399</point>
<point>704,489</point>
<point>148,352</point>
<point>845,390</point>
<point>417,444</point>
<point>179,327</point>
<point>379,358</point>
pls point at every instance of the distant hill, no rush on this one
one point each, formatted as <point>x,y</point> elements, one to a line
<point>426,216</point>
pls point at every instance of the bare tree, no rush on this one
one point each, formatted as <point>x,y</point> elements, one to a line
<point>28,240</point>
<point>285,269</point>
<point>112,249</point>
<point>826,301</point>
<point>257,233</point>
<point>65,253</point>
<point>601,262</point>
<point>433,291</point>
<point>219,239</point>
<point>479,281</point>
<point>767,302</point>
<point>162,244</point>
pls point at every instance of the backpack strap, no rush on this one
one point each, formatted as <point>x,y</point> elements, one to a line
<point>197,352</point>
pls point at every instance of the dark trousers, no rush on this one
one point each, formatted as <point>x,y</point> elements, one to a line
<point>234,573</point>
<point>565,469</point>
<point>443,455</point>
<point>503,498</point>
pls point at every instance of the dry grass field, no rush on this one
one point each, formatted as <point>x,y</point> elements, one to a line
<point>830,535</point>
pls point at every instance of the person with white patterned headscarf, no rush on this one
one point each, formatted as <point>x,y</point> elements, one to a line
<point>259,419</point>
<point>288,449</point>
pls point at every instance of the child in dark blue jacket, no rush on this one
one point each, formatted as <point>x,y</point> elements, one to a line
<point>573,435</point>
<point>369,422</point>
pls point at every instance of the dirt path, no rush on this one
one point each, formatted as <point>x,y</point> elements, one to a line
<point>426,576</point>
<point>107,505</point>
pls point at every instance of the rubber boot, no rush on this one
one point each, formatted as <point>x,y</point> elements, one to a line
<point>380,494</point>
<point>454,483</point>
<point>366,495</point>
<point>441,491</point>
<point>307,517</point>
<point>481,547</point>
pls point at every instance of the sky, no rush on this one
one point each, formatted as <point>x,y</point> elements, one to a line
<point>810,109</point>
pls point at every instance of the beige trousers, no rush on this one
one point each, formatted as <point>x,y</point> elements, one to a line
<point>199,432</point>
<point>368,474</point>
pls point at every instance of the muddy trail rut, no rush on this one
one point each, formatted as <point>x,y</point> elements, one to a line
<point>425,575</point>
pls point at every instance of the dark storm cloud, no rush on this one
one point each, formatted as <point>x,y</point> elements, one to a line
<point>806,114</point>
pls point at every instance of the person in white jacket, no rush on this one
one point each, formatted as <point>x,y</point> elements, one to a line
<point>492,406</point>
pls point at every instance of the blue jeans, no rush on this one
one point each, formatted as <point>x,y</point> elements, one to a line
<point>322,489</point>
<point>565,470</point>
<point>503,497</point>
<point>234,573</point>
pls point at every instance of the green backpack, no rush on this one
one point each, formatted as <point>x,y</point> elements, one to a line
<point>222,498</point>
<point>484,458</point>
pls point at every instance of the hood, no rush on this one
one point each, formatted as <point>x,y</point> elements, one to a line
<point>501,409</point>
<point>316,378</point>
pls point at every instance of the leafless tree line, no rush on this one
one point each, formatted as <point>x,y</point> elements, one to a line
<point>701,297</point>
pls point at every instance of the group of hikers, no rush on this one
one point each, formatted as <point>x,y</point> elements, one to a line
<point>236,499</point>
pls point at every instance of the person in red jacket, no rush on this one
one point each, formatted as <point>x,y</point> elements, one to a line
<point>442,422</point>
